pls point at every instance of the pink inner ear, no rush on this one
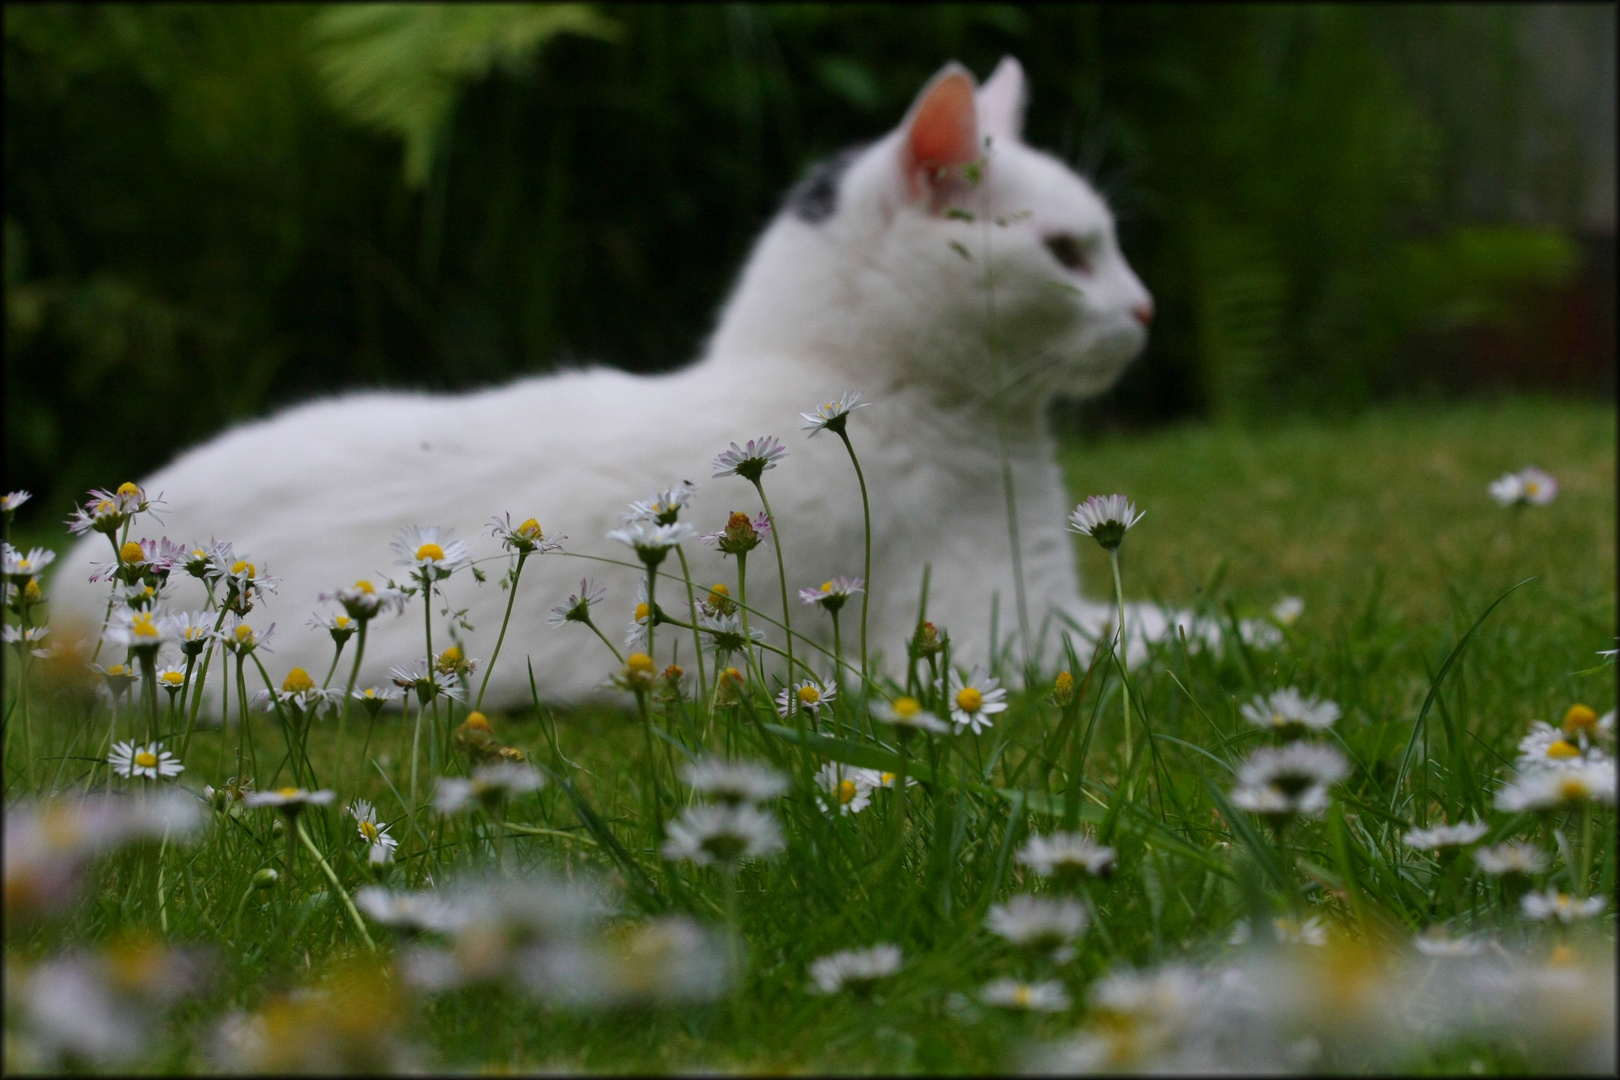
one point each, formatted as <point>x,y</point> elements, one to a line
<point>945,130</point>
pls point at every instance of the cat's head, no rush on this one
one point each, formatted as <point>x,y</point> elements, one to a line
<point>894,255</point>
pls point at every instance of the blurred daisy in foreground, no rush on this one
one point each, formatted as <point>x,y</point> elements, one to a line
<point>1556,905</point>
<point>734,781</point>
<point>908,716</point>
<point>856,969</point>
<point>1039,923</point>
<point>1291,713</point>
<point>1280,782</point>
<point>1288,610</point>
<point>722,834</point>
<point>489,786</point>
<point>1067,856</point>
<point>1048,996</point>
<point>1512,857</point>
<point>1552,789</point>
<point>363,600</point>
<point>1446,836</point>
<point>1528,486</point>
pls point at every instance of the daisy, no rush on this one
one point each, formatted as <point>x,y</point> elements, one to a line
<point>577,608</point>
<point>1551,789</point>
<point>243,582</point>
<point>734,781</point>
<point>1048,996</point>
<point>365,601</point>
<point>1290,712</point>
<point>717,602</point>
<point>171,679</point>
<point>1040,923</point>
<point>1529,485</point>
<point>662,507</point>
<point>418,675</point>
<point>375,697</point>
<point>488,786</point>
<point>1556,905</point>
<point>1287,932</point>
<point>119,677</point>
<point>1583,724</point>
<point>1288,610</point>
<point>726,633</point>
<point>652,542</point>
<point>1067,855</point>
<point>855,968</point>
<point>193,630</point>
<point>525,538</point>
<point>298,690</point>
<point>106,511</point>
<point>11,500</point>
<point>238,637</point>
<point>1280,782</point>
<point>1444,836</point>
<point>812,695</point>
<point>722,834</point>
<point>974,699</point>
<point>341,627</point>
<point>410,911</point>
<point>638,674</point>
<point>740,536</point>
<point>834,414</point>
<point>877,778</point>
<point>908,716</point>
<point>23,636</point>
<point>1105,518</point>
<point>19,567</point>
<point>751,460</point>
<point>150,761</point>
<point>382,845</point>
<point>1547,747</point>
<point>1435,942</point>
<point>847,789</point>
<point>429,552</point>
<point>288,799</point>
<point>1513,857</point>
<point>833,593</point>
<point>142,632</point>
<point>636,633</point>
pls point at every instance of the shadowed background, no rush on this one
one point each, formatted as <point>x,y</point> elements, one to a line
<point>211,212</point>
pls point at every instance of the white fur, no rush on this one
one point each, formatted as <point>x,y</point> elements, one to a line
<point>874,298</point>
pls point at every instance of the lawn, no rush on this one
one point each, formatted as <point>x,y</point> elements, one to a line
<point>1382,526</point>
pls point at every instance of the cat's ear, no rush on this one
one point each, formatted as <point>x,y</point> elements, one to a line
<point>1002,100</point>
<point>940,131</point>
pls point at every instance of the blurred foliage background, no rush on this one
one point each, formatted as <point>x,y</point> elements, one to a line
<point>212,211</point>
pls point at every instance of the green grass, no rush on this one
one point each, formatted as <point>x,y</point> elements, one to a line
<point>1382,526</point>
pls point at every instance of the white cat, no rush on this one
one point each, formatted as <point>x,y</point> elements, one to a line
<point>885,272</point>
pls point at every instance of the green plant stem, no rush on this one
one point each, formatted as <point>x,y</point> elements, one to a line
<point>359,923</point>
<point>511,599</point>
<point>652,606</point>
<point>1119,655</point>
<point>866,580</point>
<point>348,702</point>
<point>617,655</point>
<point>332,667</point>
<point>697,638</point>
<point>148,660</point>
<point>781,577</point>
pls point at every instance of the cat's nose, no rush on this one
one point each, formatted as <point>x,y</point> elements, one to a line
<point>1143,312</point>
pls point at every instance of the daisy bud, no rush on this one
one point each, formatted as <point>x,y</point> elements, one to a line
<point>269,877</point>
<point>1063,689</point>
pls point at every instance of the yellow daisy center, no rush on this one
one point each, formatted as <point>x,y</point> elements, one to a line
<point>529,528</point>
<point>826,586</point>
<point>128,488</point>
<point>340,622</point>
<point>118,669</point>
<point>104,507</point>
<point>1562,749</point>
<point>146,759</point>
<point>1064,683</point>
<point>1562,956</point>
<point>642,611</point>
<point>287,792</point>
<point>366,587</point>
<point>173,678</point>
<point>1021,996</point>
<point>846,792</point>
<point>369,831</point>
<point>639,662</point>
<point>719,589</point>
<point>1580,718</point>
<point>25,566</point>
<point>31,591</point>
<point>452,655</point>
<point>431,552</point>
<point>370,691</point>
<point>244,634</point>
<point>242,566</point>
<point>733,673</point>
<point>887,778</point>
<point>809,695</point>
<point>297,681</point>
<point>906,707</point>
<point>1532,487</point>
<point>969,699</point>
<point>1574,789</point>
<point>142,626</point>
<point>479,721</point>
<point>198,553</point>
<point>131,553</point>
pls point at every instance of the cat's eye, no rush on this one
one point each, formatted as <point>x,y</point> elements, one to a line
<point>1071,251</point>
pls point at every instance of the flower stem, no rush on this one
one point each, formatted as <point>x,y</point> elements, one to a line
<point>348,701</point>
<point>781,576</point>
<point>697,638</point>
<point>866,515</point>
<point>359,923</point>
<point>1119,656</point>
<point>510,600</point>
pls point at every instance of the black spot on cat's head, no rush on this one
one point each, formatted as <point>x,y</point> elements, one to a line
<point>815,198</point>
